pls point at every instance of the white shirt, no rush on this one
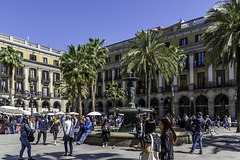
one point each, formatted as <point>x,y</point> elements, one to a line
<point>68,128</point>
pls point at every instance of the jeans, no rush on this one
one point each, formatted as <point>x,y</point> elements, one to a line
<point>55,133</point>
<point>70,145</point>
<point>25,143</point>
<point>79,136</point>
<point>84,136</point>
<point>7,130</point>
<point>197,137</point>
<point>14,129</point>
<point>44,136</point>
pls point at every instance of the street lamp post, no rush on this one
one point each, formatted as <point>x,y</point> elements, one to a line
<point>32,96</point>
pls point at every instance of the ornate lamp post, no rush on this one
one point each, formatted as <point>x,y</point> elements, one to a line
<point>32,96</point>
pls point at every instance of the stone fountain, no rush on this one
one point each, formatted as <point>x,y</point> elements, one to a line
<point>130,110</point>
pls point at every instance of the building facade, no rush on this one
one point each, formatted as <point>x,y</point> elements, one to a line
<point>40,73</point>
<point>210,90</point>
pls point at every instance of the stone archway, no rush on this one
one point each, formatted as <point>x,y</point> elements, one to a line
<point>184,106</point>
<point>221,105</point>
<point>155,104</point>
<point>141,103</point>
<point>202,104</point>
<point>45,106</point>
<point>56,106</point>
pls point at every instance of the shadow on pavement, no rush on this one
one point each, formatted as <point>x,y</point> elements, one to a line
<point>59,155</point>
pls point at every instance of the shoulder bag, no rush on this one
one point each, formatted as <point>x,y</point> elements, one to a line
<point>66,138</point>
<point>152,155</point>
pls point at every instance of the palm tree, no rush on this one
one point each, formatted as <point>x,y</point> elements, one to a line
<point>222,39</point>
<point>75,67</point>
<point>96,56</point>
<point>179,59</point>
<point>11,59</point>
<point>148,56</point>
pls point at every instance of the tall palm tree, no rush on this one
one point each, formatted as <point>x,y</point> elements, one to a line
<point>74,66</point>
<point>179,59</point>
<point>96,56</point>
<point>148,56</point>
<point>10,58</point>
<point>222,39</point>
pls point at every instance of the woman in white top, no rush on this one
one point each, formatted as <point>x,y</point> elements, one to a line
<point>68,131</point>
<point>229,121</point>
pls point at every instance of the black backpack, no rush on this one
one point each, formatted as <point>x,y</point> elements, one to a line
<point>30,135</point>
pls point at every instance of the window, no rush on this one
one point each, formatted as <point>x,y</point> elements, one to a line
<point>118,57</point>
<point>33,73</point>
<point>183,81</point>
<point>186,62</point>
<point>45,92</point>
<point>20,53</point>
<point>108,75</point>
<point>4,85</point>
<point>56,91</point>
<point>19,86</point>
<point>117,73</point>
<point>55,63</point>
<point>33,88</point>
<point>199,59</point>
<point>45,60</point>
<point>99,76</point>
<point>200,80</point>
<point>45,75</point>
<point>19,71</point>
<point>167,44</point>
<point>99,90</point>
<point>33,57</point>
<point>56,77</point>
<point>108,60</point>
<point>198,37</point>
<point>183,41</point>
<point>3,69</point>
<point>220,77</point>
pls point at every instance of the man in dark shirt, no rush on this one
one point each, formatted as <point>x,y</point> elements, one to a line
<point>140,131</point>
<point>199,128</point>
<point>42,129</point>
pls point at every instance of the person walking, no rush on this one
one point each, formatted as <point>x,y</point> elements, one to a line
<point>199,128</point>
<point>24,141</point>
<point>105,133</point>
<point>55,127</point>
<point>87,130</point>
<point>7,126</point>
<point>42,129</point>
<point>140,131</point>
<point>68,130</point>
<point>14,124</point>
<point>229,122</point>
<point>152,142</point>
<point>168,138</point>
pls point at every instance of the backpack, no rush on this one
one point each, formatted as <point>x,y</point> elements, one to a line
<point>30,135</point>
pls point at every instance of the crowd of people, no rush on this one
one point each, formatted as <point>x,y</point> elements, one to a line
<point>77,128</point>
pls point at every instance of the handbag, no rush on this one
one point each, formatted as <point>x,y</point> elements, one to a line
<point>152,155</point>
<point>51,130</point>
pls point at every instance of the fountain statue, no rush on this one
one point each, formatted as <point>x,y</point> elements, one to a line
<point>130,110</point>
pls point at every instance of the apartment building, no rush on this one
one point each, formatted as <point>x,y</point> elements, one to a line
<point>210,90</point>
<point>40,73</point>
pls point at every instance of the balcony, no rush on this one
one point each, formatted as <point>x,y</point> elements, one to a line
<point>154,90</point>
<point>56,82</point>
<point>35,79</point>
<point>45,81</point>
<point>19,76</point>
<point>46,96</point>
<point>4,74</point>
<point>108,79</point>
<point>4,90</point>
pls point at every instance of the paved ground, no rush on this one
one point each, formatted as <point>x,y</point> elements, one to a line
<point>225,146</point>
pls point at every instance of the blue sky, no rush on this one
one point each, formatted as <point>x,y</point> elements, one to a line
<point>59,23</point>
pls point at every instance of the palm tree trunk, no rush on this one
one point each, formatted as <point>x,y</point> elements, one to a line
<point>80,98</point>
<point>93,96</point>
<point>11,76</point>
<point>148,87</point>
<point>172,99</point>
<point>238,89</point>
<point>73,97</point>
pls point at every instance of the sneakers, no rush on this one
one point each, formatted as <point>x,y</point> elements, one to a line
<point>65,154</point>
<point>200,153</point>
<point>106,144</point>
<point>103,145</point>
<point>55,144</point>
<point>70,154</point>
<point>191,152</point>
